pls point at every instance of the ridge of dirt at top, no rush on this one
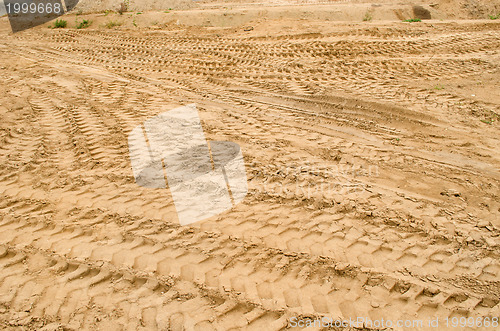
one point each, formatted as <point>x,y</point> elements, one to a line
<point>459,9</point>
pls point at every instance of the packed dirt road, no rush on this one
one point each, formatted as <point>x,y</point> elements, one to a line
<point>371,151</point>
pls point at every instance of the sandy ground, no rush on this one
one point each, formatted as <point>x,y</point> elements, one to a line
<point>371,150</point>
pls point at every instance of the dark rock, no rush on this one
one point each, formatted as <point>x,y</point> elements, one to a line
<point>422,13</point>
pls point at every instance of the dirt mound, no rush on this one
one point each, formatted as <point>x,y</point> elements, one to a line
<point>427,9</point>
<point>88,6</point>
<point>472,9</point>
<point>344,10</point>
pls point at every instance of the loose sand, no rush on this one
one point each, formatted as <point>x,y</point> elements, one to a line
<point>371,150</point>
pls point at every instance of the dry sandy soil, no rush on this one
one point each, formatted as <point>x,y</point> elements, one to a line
<point>371,151</point>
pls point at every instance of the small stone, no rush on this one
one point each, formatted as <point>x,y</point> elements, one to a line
<point>482,224</point>
<point>476,235</point>
<point>433,278</point>
<point>341,266</point>
<point>491,242</point>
